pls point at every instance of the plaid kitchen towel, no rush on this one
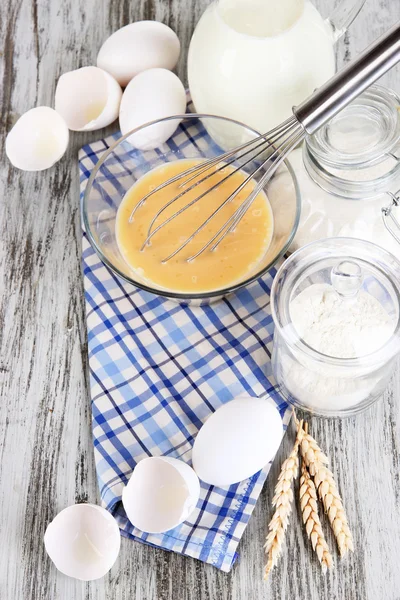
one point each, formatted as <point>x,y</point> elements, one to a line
<point>158,370</point>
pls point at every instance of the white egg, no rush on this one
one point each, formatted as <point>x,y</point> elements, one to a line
<point>150,96</point>
<point>83,541</point>
<point>137,47</point>
<point>238,440</point>
<point>161,494</point>
<point>88,98</point>
<point>38,139</point>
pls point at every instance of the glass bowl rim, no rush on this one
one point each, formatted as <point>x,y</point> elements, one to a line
<point>169,293</point>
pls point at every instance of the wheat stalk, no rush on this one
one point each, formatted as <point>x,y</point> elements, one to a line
<point>325,484</point>
<point>309,509</point>
<point>312,453</point>
<point>282,501</point>
<point>330,498</point>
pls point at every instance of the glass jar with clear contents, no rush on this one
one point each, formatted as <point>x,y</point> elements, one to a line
<point>349,174</point>
<point>336,309</point>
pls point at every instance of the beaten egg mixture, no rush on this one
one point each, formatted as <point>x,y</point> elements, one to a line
<point>236,256</point>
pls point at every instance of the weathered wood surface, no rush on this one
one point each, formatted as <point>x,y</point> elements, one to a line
<point>45,437</point>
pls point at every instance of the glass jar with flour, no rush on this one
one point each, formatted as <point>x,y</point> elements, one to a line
<point>336,310</point>
<point>349,174</point>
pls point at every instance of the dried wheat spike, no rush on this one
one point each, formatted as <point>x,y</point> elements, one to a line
<point>316,462</point>
<point>312,453</point>
<point>309,509</point>
<point>329,495</point>
<point>282,501</point>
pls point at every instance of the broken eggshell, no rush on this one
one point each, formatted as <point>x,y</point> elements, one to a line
<point>152,95</point>
<point>38,139</point>
<point>161,494</point>
<point>87,98</point>
<point>237,441</point>
<point>138,47</point>
<point>83,541</point>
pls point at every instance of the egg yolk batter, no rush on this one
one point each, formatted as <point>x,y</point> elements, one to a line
<point>235,257</point>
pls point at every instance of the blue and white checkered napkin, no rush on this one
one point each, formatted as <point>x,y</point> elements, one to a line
<point>158,371</point>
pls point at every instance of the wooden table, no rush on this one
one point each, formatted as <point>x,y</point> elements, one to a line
<point>45,420</point>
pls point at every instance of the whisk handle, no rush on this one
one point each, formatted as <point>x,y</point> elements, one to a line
<point>350,82</point>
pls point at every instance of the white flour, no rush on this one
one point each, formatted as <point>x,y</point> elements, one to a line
<point>337,327</point>
<point>343,328</point>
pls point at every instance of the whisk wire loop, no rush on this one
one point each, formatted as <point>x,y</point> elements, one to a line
<point>276,141</point>
<point>238,214</point>
<point>151,233</point>
<point>391,223</point>
<point>211,162</point>
<point>178,196</point>
<point>234,220</point>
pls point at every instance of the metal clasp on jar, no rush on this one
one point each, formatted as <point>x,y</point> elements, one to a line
<point>391,223</point>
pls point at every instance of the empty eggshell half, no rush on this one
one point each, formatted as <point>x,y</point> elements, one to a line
<point>138,47</point>
<point>161,494</point>
<point>238,440</point>
<point>38,139</point>
<point>152,95</point>
<point>88,98</point>
<point>83,541</point>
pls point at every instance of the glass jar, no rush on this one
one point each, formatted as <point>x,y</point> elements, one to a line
<point>349,174</point>
<point>336,309</point>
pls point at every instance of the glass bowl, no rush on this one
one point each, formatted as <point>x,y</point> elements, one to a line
<point>196,136</point>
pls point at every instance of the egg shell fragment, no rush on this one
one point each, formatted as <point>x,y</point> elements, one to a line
<point>152,95</point>
<point>83,541</point>
<point>38,139</point>
<point>237,441</point>
<point>88,98</point>
<point>161,494</point>
<point>138,47</point>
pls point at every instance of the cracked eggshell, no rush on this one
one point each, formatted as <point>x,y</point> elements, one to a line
<point>138,47</point>
<point>237,441</point>
<point>152,95</point>
<point>88,98</point>
<point>161,494</point>
<point>38,139</point>
<point>83,541</point>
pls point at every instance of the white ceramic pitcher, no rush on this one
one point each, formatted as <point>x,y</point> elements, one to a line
<point>253,60</point>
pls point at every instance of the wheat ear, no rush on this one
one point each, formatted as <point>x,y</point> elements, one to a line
<point>330,498</point>
<point>325,484</point>
<point>282,501</point>
<point>309,510</point>
<point>312,453</point>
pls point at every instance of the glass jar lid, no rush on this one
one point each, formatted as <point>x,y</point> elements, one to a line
<point>338,302</point>
<point>357,154</point>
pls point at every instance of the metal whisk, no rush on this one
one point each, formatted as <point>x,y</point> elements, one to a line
<point>273,147</point>
<point>390,221</point>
